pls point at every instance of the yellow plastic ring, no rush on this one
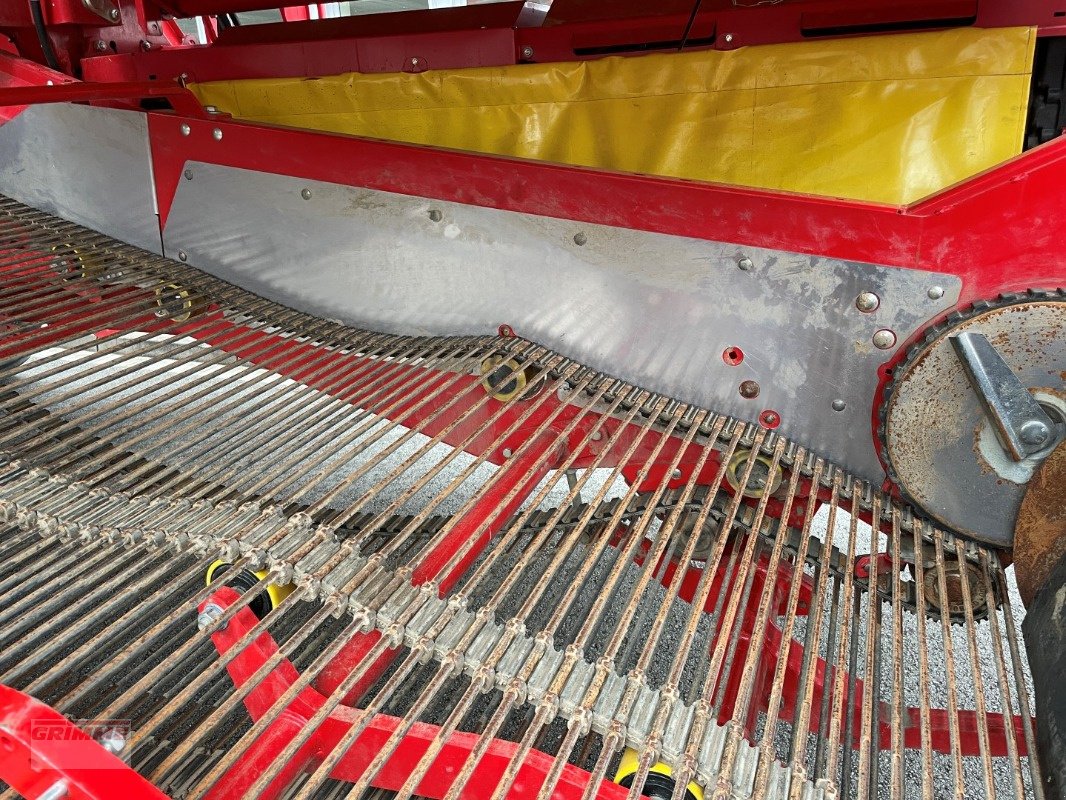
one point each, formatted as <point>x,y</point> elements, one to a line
<point>275,594</point>
<point>629,765</point>
<point>508,387</point>
<point>738,465</point>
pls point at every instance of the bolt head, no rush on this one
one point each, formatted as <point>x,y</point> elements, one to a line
<point>206,618</point>
<point>1034,432</point>
<point>113,741</point>
<point>114,14</point>
<point>745,264</point>
<point>100,46</point>
<point>749,389</point>
<point>146,45</point>
<point>182,255</point>
<point>867,302</point>
<point>675,475</point>
<point>839,405</point>
<point>185,129</point>
<point>935,292</point>
<point>527,52</point>
<point>507,452</point>
<point>884,339</point>
<point>306,194</point>
<point>435,215</point>
<point>217,134</point>
<point>580,238</point>
<point>188,174</point>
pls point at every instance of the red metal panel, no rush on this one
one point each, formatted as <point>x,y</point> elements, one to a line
<point>477,36</point>
<point>39,747</point>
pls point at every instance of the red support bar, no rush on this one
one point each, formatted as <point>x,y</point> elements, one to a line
<point>181,99</point>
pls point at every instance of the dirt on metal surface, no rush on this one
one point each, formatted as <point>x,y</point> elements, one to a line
<point>1040,531</point>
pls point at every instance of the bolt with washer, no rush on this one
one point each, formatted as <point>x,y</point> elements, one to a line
<point>209,616</point>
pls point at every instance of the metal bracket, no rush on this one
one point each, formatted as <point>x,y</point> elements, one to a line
<point>1022,426</point>
<point>103,9</point>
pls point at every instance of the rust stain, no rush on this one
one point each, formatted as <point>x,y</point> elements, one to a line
<point>1040,529</point>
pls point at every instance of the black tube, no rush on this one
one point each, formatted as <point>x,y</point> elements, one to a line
<point>42,35</point>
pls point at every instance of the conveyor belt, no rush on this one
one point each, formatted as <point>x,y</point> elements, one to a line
<point>484,592</point>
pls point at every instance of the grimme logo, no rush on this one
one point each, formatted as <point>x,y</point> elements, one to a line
<point>58,745</point>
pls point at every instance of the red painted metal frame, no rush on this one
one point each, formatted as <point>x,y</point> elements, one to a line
<point>490,35</point>
<point>40,747</point>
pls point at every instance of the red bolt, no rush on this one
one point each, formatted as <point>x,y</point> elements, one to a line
<point>769,419</point>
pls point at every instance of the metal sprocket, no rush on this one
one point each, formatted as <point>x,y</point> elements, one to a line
<point>937,444</point>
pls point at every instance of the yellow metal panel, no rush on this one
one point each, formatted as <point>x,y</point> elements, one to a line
<point>881,118</point>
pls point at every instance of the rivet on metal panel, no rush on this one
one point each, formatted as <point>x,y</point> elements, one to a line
<point>114,14</point>
<point>728,38</point>
<point>182,256</point>
<point>506,331</point>
<point>580,238</point>
<point>745,263</point>
<point>935,292</point>
<point>185,129</point>
<point>527,52</point>
<point>435,215</point>
<point>507,453</point>
<point>100,46</point>
<point>884,339</point>
<point>839,405</point>
<point>188,174</point>
<point>217,134</point>
<point>675,475</point>
<point>733,356</point>
<point>306,194</point>
<point>867,302</point>
<point>749,389</point>
<point>146,45</point>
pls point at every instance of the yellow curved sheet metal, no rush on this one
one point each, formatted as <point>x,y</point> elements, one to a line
<point>880,118</point>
